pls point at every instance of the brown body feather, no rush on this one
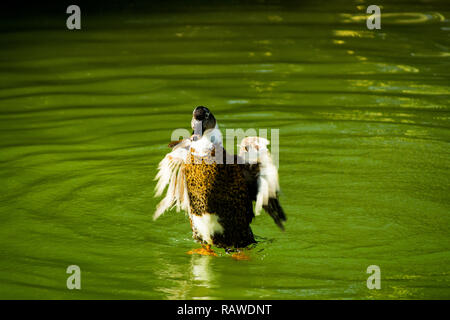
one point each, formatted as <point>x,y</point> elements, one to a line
<point>223,190</point>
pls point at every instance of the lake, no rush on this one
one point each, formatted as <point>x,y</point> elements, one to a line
<point>363,120</point>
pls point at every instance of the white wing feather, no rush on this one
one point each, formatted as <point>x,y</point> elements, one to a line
<point>171,174</point>
<point>254,150</point>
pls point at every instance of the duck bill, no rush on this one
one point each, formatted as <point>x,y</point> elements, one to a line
<point>197,126</point>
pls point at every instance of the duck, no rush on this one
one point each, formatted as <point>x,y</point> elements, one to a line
<point>220,192</point>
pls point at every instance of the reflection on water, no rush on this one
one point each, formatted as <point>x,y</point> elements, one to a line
<point>201,271</point>
<point>197,283</point>
<point>203,275</point>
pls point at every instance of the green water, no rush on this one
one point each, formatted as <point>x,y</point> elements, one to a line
<point>85,117</point>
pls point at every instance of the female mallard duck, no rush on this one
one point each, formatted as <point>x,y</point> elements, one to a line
<point>217,189</point>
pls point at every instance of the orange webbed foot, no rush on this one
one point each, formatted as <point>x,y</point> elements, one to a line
<point>240,256</point>
<point>204,250</point>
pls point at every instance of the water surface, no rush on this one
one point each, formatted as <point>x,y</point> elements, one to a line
<point>85,117</point>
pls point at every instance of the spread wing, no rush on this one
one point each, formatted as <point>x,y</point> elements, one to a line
<point>171,174</point>
<point>262,176</point>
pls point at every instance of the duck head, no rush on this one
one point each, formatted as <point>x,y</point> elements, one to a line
<point>202,120</point>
